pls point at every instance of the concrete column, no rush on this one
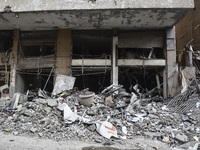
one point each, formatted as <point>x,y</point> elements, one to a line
<point>63,52</point>
<point>14,62</point>
<point>114,71</point>
<point>171,66</point>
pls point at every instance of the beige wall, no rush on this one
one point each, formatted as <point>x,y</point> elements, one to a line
<point>63,52</point>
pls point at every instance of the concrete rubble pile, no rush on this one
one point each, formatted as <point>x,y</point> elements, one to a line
<point>112,115</point>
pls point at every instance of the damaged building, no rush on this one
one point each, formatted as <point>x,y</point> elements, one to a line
<point>106,72</point>
<point>99,42</point>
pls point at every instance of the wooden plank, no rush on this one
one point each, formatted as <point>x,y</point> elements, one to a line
<point>140,62</point>
<point>142,40</point>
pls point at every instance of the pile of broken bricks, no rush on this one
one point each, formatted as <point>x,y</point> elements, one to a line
<point>113,115</point>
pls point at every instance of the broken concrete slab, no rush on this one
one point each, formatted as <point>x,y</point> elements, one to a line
<point>92,127</point>
<point>28,112</point>
<point>47,109</point>
<point>15,133</point>
<point>153,134</point>
<point>41,101</point>
<point>33,130</point>
<point>52,102</point>
<point>193,145</point>
<point>97,139</point>
<point>181,137</point>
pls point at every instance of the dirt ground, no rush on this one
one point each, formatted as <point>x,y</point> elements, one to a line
<point>12,142</point>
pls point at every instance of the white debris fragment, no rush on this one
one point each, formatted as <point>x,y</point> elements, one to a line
<point>63,83</point>
<point>107,130</point>
<point>69,115</point>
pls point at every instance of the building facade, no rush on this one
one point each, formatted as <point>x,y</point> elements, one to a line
<point>100,42</point>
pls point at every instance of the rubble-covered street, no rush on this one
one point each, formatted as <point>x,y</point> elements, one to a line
<point>9,141</point>
<point>108,118</point>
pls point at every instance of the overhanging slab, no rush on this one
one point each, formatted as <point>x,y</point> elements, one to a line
<point>47,5</point>
<point>93,19</point>
<point>92,14</point>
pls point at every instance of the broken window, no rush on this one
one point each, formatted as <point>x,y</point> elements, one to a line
<point>91,59</point>
<point>36,59</point>
<point>6,41</point>
<point>91,46</point>
<point>37,43</point>
<point>31,79</point>
<point>141,61</point>
<point>6,44</point>
<point>147,78</point>
<point>141,53</point>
